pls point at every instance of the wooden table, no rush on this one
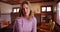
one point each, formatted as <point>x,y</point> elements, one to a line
<point>44,27</point>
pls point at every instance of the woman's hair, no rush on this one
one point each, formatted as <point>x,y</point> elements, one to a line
<point>21,11</point>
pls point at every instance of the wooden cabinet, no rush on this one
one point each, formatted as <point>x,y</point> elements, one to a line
<point>46,17</point>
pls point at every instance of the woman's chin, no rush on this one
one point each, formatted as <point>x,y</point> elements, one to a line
<point>26,15</point>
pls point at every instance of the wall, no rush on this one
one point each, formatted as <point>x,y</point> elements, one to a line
<point>5,8</point>
<point>16,5</point>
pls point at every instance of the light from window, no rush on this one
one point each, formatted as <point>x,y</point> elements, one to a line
<point>59,9</point>
<point>59,3</point>
<point>43,9</point>
<point>48,9</point>
<point>14,11</point>
<point>17,10</point>
<point>59,14</point>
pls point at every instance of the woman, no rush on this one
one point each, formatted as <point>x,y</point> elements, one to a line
<point>26,23</point>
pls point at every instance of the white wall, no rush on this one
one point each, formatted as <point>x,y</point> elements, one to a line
<point>5,8</point>
<point>58,13</point>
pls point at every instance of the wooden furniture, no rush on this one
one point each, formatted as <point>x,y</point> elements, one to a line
<point>3,24</point>
<point>46,27</point>
<point>45,17</point>
<point>5,27</point>
<point>47,13</point>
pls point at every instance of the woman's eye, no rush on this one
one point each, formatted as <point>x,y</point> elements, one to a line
<point>26,8</point>
<point>23,8</point>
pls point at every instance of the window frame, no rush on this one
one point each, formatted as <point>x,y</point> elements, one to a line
<point>46,9</point>
<point>15,8</point>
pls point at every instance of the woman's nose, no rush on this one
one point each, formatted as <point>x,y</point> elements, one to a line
<point>25,9</point>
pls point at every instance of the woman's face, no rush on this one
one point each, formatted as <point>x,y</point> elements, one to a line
<point>26,10</point>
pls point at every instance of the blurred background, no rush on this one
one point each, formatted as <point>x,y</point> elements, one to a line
<point>47,13</point>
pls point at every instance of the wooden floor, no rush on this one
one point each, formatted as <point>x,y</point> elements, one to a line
<point>52,31</point>
<point>7,30</point>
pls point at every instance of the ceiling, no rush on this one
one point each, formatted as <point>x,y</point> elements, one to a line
<point>15,2</point>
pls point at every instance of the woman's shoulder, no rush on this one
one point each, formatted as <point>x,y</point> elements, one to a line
<point>34,18</point>
<point>19,18</point>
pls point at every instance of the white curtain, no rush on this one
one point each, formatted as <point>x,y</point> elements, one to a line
<point>58,13</point>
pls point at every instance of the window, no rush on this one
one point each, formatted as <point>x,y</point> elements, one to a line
<point>46,9</point>
<point>43,9</point>
<point>16,9</point>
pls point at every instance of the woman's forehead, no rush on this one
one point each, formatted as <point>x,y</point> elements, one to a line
<point>25,5</point>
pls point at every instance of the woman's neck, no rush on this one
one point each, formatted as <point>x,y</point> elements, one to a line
<point>27,17</point>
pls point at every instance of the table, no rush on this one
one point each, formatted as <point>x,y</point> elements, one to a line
<point>44,27</point>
